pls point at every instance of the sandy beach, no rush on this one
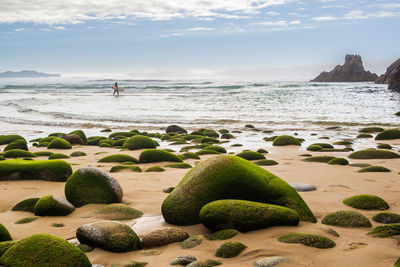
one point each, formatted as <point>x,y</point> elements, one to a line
<point>143,191</point>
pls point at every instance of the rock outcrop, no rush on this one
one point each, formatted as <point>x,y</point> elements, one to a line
<point>351,71</point>
<point>391,76</point>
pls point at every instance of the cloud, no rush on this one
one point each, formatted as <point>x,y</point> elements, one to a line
<point>73,12</point>
<point>391,5</point>
<point>200,29</point>
<point>281,23</point>
<point>61,28</point>
<point>18,30</point>
<point>324,18</point>
<point>273,13</point>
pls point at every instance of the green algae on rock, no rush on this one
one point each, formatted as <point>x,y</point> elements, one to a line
<point>91,185</point>
<point>306,239</point>
<point>155,169</point>
<point>52,205</point>
<point>366,202</point>
<point>324,159</point>
<point>386,217</point>
<point>244,215</point>
<point>43,153</point>
<point>371,130</point>
<point>364,135</point>
<point>17,144</point>
<point>157,155</point>
<point>346,218</point>
<point>58,156</point>
<point>207,152</point>
<point>139,142</point>
<point>164,236</point>
<point>314,147</point>
<point>228,177</point>
<point>48,170</point>
<point>109,235</point>
<point>219,149</point>
<point>26,220</point>
<point>388,134</point>
<point>285,140</point>
<point>59,143</point>
<point>190,155</point>
<point>5,245</point>
<point>175,129</point>
<point>77,154</point>
<point>384,146</point>
<point>338,161</point>
<point>81,134</point>
<point>4,234</point>
<point>132,168</point>
<point>385,230</point>
<point>266,162</point>
<point>25,205</point>
<point>230,249</point>
<point>191,242</point>
<point>374,169</point>
<point>224,234</point>
<point>373,154</point>
<point>18,153</point>
<point>119,158</point>
<point>118,212</point>
<point>7,139</point>
<point>250,155</point>
<point>179,165</point>
<point>43,250</point>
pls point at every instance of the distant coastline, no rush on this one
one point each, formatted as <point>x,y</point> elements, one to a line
<point>26,74</point>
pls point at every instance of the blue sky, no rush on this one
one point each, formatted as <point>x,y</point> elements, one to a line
<point>254,39</point>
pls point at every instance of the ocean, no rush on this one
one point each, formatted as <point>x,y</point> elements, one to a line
<point>34,106</point>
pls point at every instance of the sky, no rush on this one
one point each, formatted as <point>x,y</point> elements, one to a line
<point>178,39</point>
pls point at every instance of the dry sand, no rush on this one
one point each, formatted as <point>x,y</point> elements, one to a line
<point>143,191</point>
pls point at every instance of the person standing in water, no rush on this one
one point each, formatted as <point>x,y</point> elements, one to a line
<point>116,89</point>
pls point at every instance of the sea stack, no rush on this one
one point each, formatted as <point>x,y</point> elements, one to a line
<point>351,71</point>
<point>391,76</point>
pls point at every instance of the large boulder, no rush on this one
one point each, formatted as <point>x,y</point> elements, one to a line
<point>158,155</point>
<point>91,185</point>
<point>139,142</point>
<point>244,215</point>
<point>18,153</point>
<point>109,235</point>
<point>5,245</point>
<point>388,134</point>
<point>374,154</point>
<point>4,234</point>
<point>48,170</point>
<point>17,144</point>
<point>52,205</point>
<point>7,139</point>
<point>80,133</point>
<point>352,71</point>
<point>44,250</point>
<point>59,143</point>
<point>228,177</point>
<point>391,76</point>
<point>175,129</point>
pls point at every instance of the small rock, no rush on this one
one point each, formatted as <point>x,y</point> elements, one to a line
<point>271,261</point>
<point>300,187</point>
<point>183,260</point>
<point>191,242</point>
<point>164,236</point>
<point>206,263</point>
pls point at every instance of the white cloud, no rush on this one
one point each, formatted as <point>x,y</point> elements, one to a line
<point>295,22</point>
<point>391,5</point>
<point>281,23</point>
<point>61,28</point>
<point>200,29</point>
<point>273,13</point>
<point>77,11</point>
<point>18,30</point>
<point>324,18</point>
<point>356,14</point>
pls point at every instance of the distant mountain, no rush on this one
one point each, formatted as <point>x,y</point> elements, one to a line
<point>351,71</point>
<point>26,74</point>
<point>392,76</point>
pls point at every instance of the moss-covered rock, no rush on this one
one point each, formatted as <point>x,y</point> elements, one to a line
<point>314,147</point>
<point>17,144</point>
<point>119,158</point>
<point>224,234</point>
<point>26,205</point>
<point>4,234</point>
<point>175,129</point>
<point>120,168</point>
<point>250,155</point>
<point>346,218</point>
<point>43,153</point>
<point>26,220</point>
<point>164,236</point>
<point>219,149</point>
<point>18,153</point>
<point>388,134</point>
<point>179,165</point>
<point>359,165</point>
<point>5,245</point>
<point>386,217</point>
<point>266,162</point>
<point>384,146</point>
<point>94,140</point>
<point>371,130</point>
<point>43,144</point>
<point>366,202</point>
<point>191,242</point>
<point>52,205</point>
<point>44,250</point>
<point>157,155</point>
<point>81,134</point>
<point>364,135</point>
<point>129,263</point>
<point>211,133</point>
<point>228,177</point>
<point>118,212</point>
<point>385,230</point>
<point>106,130</point>
<point>306,239</point>
<point>155,169</point>
<point>48,170</point>
<point>206,263</point>
<point>118,135</point>
<point>91,185</point>
<point>104,144</point>
<point>139,142</point>
<point>59,143</point>
<point>74,139</point>
<point>78,154</point>
<point>285,140</point>
<point>227,136</point>
<point>230,249</point>
<point>343,143</point>
<point>49,139</point>
<point>374,169</point>
<point>190,155</point>
<point>207,152</point>
<point>109,235</point>
<point>106,141</point>
<point>323,145</point>
<point>244,215</point>
<point>323,159</point>
<point>58,156</point>
<point>7,139</point>
<point>338,161</point>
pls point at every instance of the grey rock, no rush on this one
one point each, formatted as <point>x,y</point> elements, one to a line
<point>206,263</point>
<point>271,261</point>
<point>351,71</point>
<point>164,236</point>
<point>183,260</point>
<point>300,187</point>
<point>392,76</point>
<point>109,235</point>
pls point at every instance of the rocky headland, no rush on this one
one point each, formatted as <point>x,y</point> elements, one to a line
<point>351,71</point>
<point>391,76</point>
<point>26,74</point>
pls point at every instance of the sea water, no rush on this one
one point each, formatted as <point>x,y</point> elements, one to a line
<point>29,106</point>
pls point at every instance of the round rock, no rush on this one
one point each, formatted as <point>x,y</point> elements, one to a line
<point>300,187</point>
<point>270,261</point>
<point>164,236</point>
